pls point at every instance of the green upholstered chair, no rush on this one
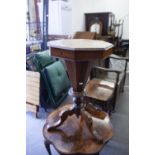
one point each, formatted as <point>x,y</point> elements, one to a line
<point>43,59</point>
<point>54,80</point>
<point>39,60</point>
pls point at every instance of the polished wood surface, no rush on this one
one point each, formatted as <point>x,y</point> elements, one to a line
<point>85,35</point>
<point>78,55</point>
<point>99,89</point>
<point>74,136</point>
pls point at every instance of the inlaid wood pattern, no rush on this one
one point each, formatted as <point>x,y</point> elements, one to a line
<point>74,136</point>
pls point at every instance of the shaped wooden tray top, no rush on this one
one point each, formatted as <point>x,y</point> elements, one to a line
<point>74,136</point>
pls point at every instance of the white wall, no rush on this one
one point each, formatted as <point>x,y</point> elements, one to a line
<point>119,7</point>
<point>60,17</point>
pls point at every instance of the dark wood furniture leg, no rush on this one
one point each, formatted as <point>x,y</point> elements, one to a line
<point>47,145</point>
<point>37,111</point>
<point>81,154</point>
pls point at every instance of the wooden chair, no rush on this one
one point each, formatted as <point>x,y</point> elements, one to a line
<point>105,83</point>
<point>122,49</point>
<point>84,35</point>
<point>99,91</point>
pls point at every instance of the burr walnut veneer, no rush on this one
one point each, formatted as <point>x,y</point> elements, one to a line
<point>65,126</point>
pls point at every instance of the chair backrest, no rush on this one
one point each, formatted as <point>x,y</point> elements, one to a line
<point>56,82</point>
<point>84,35</point>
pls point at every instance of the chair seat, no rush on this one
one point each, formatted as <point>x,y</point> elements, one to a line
<point>99,89</point>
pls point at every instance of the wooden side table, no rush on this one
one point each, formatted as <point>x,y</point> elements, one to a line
<point>74,136</point>
<point>78,55</point>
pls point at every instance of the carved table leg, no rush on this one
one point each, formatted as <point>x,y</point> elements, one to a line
<point>47,145</point>
<point>87,114</point>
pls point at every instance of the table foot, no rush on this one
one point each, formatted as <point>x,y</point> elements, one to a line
<point>47,146</point>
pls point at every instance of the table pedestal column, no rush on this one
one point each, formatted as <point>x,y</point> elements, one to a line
<point>78,74</point>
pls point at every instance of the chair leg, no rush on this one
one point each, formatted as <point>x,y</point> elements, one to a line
<point>124,78</point>
<point>104,107</point>
<point>109,104</point>
<point>37,111</point>
<point>114,100</point>
<point>123,83</point>
<point>97,154</point>
<point>45,109</point>
<point>47,146</point>
<point>107,107</point>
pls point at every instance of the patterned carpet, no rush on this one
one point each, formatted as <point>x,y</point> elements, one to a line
<point>118,145</point>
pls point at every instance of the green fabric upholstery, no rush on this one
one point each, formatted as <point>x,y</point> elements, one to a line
<point>56,81</point>
<point>42,59</point>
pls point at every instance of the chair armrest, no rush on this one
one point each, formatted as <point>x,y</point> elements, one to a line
<point>107,69</point>
<point>120,58</point>
<point>117,72</point>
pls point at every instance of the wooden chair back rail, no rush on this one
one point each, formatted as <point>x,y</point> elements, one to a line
<point>84,35</point>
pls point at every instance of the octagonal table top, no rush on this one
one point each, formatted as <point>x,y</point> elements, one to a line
<point>80,44</point>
